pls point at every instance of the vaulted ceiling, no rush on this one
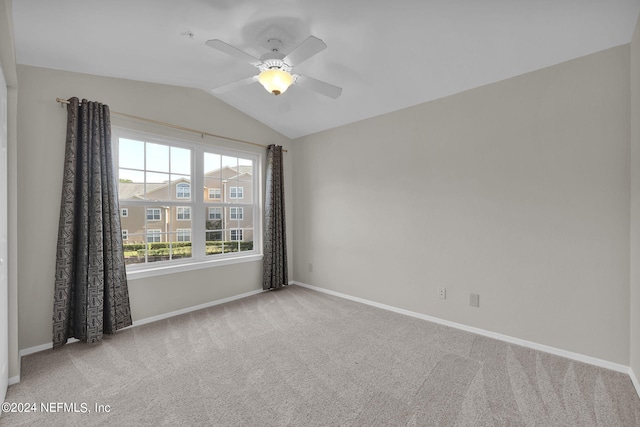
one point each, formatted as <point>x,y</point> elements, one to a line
<point>385,55</point>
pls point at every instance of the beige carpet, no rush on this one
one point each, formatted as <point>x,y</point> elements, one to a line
<point>296,357</point>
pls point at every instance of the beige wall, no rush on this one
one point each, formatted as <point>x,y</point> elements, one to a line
<point>635,202</point>
<point>518,191</point>
<point>42,126</point>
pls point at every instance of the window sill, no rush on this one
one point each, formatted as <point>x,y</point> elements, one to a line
<point>158,270</point>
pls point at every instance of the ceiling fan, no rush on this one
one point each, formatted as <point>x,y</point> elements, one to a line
<point>275,68</point>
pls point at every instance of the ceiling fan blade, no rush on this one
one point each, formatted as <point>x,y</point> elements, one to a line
<point>234,85</point>
<point>233,51</point>
<point>321,87</point>
<point>304,51</point>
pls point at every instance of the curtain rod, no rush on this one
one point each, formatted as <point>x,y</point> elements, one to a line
<point>131,116</point>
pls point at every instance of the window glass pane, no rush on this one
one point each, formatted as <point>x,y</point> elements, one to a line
<point>130,154</point>
<point>181,185</point>
<point>214,237</point>
<point>180,161</point>
<point>182,248</point>
<point>239,192</point>
<point>247,240</point>
<point>214,213</point>
<point>211,163</point>
<point>183,235</point>
<point>230,164</point>
<point>131,184</point>
<point>157,157</point>
<point>213,189</point>
<point>156,187</point>
<point>154,214</point>
<point>245,170</point>
<point>183,213</point>
<point>134,249</point>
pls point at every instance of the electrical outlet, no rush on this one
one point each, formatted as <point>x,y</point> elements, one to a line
<point>310,268</point>
<point>442,293</point>
<point>474,300</point>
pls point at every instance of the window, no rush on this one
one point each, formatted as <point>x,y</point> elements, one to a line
<point>236,213</point>
<point>169,224</point>
<point>153,214</point>
<point>215,213</point>
<point>236,192</point>
<point>214,193</point>
<point>183,191</point>
<point>153,236</point>
<point>125,212</point>
<point>125,235</point>
<point>183,234</point>
<point>183,213</point>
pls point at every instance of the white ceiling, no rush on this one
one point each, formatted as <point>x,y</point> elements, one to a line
<point>386,55</point>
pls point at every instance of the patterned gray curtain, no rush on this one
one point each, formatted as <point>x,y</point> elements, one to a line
<point>91,294</point>
<point>275,273</point>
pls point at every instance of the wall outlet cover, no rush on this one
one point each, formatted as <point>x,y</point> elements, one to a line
<point>474,300</point>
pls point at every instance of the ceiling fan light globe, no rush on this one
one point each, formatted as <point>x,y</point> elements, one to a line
<point>275,81</point>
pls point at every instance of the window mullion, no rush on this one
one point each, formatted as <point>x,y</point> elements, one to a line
<point>198,213</point>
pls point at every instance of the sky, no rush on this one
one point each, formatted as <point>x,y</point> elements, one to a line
<point>164,162</point>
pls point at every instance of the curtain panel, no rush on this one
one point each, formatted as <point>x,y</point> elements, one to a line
<point>91,296</point>
<point>275,273</point>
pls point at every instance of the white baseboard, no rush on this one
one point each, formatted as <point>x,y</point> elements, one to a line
<point>47,346</point>
<point>524,343</point>
<point>634,380</point>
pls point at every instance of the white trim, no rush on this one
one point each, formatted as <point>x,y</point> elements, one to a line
<point>239,213</point>
<point>186,212</point>
<point>153,214</point>
<point>213,192</point>
<point>181,185</point>
<point>524,343</point>
<point>154,270</point>
<point>186,232</point>
<point>47,346</point>
<point>153,233</point>
<point>237,231</point>
<point>239,192</point>
<point>217,213</point>
<point>634,380</point>
<point>41,347</point>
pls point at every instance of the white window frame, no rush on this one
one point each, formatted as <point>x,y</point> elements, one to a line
<point>239,192</point>
<point>236,213</point>
<point>186,213</point>
<point>153,232</point>
<point>198,202</point>
<point>153,219</point>
<point>125,212</point>
<point>125,235</point>
<point>180,194</point>
<point>213,192</point>
<point>236,231</point>
<point>183,232</point>
<point>218,211</point>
